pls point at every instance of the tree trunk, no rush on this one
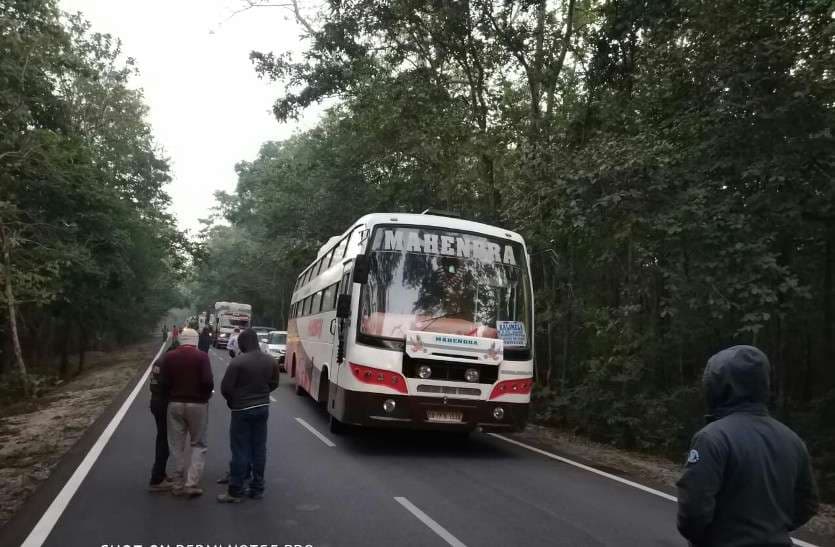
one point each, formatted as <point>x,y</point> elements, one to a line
<point>827,307</point>
<point>64,368</point>
<point>12,311</point>
<point>82,349</point>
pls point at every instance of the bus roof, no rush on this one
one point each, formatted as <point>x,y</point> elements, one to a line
<point>412,219</point>
<point>450,223</point>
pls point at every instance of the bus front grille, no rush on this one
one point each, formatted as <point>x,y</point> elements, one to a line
<point>449,390</point>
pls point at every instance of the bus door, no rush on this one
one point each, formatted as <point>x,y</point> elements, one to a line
<point>339,332</point>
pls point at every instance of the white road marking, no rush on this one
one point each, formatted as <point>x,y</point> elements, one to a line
<point>427,520</point>
<point>313,430</point>
<point>621,480</point>
<point>586,467</point>
<point>44,527</point>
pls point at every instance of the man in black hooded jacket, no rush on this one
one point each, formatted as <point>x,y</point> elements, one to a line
<point>246,386</point>
<point>747,480</point>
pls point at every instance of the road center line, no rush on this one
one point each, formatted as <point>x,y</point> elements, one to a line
<point>313,430</point>
<point>47,522</point>
<point>427,520</point>
<point>610,476</point>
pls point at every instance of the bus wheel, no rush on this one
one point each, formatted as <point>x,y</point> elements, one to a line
<point>337,427</point>
<point>324,389</point>
<point>299,389</point>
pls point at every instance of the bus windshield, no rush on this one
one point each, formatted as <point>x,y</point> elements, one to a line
<point>428,279</point>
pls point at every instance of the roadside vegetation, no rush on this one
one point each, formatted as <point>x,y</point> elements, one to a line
<point>669,163</point>
<point>89,257</point>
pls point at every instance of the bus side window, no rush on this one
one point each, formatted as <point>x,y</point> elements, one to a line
<point>306,306</point>
<point>346,283</point>
<point>317,303</point>
<point>327,261</point>
<point>328,298</point>
<point>339,251</point>
<point>355,241</point>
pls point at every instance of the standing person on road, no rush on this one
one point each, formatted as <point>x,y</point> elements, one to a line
<point>246,386</point>
<point>186,378</point>
<point>232,344</point>
<point>164,333</point>
<point>159,409</point>
<point>747,480</point>
<point>205,341</point>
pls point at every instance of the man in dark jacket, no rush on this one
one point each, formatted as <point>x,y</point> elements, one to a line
<point>205,341</point>
<point>246,386</point>
<point>159,409</point>
<point>747,480</point>
<point>186,379</point>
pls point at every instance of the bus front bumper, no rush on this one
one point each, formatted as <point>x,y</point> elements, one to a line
<point>420,412</point>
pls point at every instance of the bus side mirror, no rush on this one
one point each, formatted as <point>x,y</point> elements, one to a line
<point>343,306</point>
<point>361,267</point>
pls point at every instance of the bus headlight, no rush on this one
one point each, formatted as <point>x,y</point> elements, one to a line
<point>498,413</point>
<point>424,372</point>
<point>388,405</point>
<point>471,375</point>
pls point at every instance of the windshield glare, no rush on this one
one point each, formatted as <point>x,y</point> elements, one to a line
<point>278,338</point>
<point>440,281</point>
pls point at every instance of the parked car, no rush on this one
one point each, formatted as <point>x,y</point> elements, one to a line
<point>277,346</point>
<point>263,333</point>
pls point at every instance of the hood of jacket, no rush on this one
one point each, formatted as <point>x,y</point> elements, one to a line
<point>248,340</point>
<point>737,380</point>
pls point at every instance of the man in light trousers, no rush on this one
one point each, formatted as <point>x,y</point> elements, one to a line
<point>186,378</point>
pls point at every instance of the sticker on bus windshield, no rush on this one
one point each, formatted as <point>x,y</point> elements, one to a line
<point>512,333</point>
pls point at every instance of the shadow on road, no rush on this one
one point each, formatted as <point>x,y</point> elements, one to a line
<point>383,442</point>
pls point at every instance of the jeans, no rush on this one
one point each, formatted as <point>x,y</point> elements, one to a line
<point>188,420</point>
<point>160,410</point>
<point>248,441</point>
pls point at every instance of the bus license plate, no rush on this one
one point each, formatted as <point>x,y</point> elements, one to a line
<point>445,416</point>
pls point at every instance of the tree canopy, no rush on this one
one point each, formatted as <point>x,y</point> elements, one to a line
<point>91,255</point>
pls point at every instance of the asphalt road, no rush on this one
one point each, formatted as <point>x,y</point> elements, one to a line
<point>366,489</point>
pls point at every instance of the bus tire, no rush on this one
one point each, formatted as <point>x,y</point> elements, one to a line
<point>338,428</point>
<point>299,388</point>
<point>324,389</point>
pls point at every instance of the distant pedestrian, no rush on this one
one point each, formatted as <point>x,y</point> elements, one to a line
<point>747,480</point>
<point>175,332</point>
<point>186,378</point>
<point>232,344</point>
<point>205,341</point>
<point>164,333</point>
<point>246,386</point>
<point>159,409</point>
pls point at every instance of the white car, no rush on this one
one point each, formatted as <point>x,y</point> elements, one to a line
<point>277,346</point>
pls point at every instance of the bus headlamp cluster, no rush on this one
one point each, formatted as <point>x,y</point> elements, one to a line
<point>424,372</point>
<point>471,375</point>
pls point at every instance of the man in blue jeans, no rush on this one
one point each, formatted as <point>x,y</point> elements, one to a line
<point>246,386</point>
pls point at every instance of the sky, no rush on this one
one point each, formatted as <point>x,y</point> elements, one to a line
<point>208,109</point>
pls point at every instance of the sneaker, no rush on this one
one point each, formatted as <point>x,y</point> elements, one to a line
<point>192,491</point>
<point>178,490</point>
<point>224,479</point>
<point>226,498</point>
<point>163,486</point>
<point>255,495</point>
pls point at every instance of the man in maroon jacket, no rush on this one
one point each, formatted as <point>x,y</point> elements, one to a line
<point>186,379</point>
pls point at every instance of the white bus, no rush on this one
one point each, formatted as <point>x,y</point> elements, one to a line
<point>416,321</point>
